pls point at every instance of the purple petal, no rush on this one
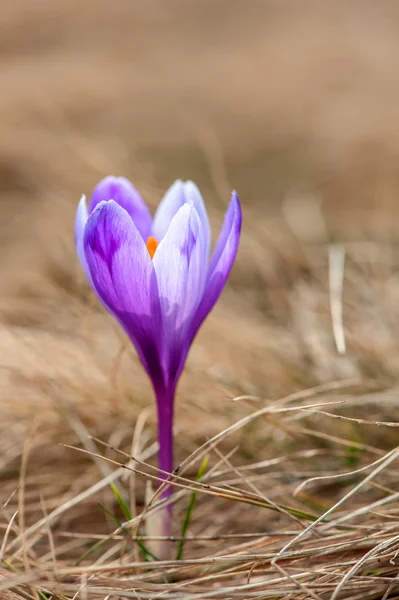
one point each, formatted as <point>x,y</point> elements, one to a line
<point>123,277</point>
<point>82,214</point>
<point>125,194</point>
<point>171,202</point>
<point>181,275</point>
<point>178,194</point>
<point>221,263</point>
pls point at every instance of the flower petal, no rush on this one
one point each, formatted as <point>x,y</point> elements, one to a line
<point>123,277</point>
<point>82,214</point>
<point>179,193</point>
<point>181,275</point>
<point>125,194</point>
<point>221,263</point>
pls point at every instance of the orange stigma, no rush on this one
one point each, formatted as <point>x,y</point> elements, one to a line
<point>152,245</point>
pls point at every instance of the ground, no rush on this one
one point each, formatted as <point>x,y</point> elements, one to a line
<point>294,105</point>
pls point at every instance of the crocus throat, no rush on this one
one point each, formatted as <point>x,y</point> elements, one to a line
<point>152,245</point>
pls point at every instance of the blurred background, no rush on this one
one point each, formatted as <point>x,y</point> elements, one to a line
<point>274,98</point>
<point>293,104</point>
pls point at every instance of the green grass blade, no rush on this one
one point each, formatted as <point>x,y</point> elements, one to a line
<point>146,554</point>
<point>122,504</point>
<point>190,508</point>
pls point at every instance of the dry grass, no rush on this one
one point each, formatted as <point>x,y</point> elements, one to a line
<point>291,386</point>
<point>317,520</point>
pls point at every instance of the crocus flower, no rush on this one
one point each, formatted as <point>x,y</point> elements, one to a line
<point>156,276</point>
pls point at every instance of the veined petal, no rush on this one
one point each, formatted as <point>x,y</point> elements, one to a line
<point>181,192</point>
<point>194,196</point>
<point>123,277</point>
<point>171,202</point>
<point>221,263</point>
<point>125,194</point>
<point>82,214</point>
<point>181,275</point>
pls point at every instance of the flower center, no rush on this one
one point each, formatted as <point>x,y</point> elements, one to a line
<point>152,245</point>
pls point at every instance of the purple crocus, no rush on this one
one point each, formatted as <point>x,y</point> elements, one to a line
<point>155,276</point>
